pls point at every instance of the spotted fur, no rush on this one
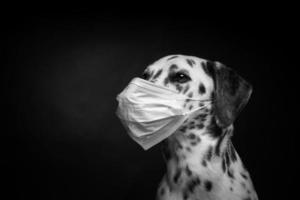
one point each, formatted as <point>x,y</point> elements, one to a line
<point>201,161</point>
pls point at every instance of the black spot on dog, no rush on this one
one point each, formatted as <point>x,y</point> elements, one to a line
<point>243,184</point>
<point>244,175</point>
<point>173,67</point>
<point>179,146</point>
<point>194,143</point>
<point>208,185</point>
<point>172,57</point>
<point>202,89</point>
<point>201,117</point>
<point>193,183</point>
<point>204,163</point>
<point>188,171</point>
<point>191,107</point>
<point>166,81</point>
<point>190,62</point>
<point>209,153</point>
<point>178,87</point>
<point>191,136</point>
<point>146,75</point>
<point>185,195</point>
<point>162,191</point>
<point>158,73</point>
<point>248,198</point>
<point>200,126</point>
<point>177,175</point>
<point>192,126</point>
<point>231,189</point>
<point>188,149</point>
<point>224,165</point>
<point>190,94</point>
<point>183,128</point>
<point>186,89</point>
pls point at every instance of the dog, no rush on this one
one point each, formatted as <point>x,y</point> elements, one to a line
<point>202,163</point>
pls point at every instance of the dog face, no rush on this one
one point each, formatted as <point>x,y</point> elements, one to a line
<point>204,80</point>
<point>185,74</point>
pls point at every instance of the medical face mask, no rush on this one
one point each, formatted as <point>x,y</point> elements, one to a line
<point>151,113</point>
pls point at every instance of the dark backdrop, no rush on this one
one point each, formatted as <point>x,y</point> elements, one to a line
<point>62,71</point>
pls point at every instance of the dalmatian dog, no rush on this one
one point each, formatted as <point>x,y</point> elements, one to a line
<point>201,161</point>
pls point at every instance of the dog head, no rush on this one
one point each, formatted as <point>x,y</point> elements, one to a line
<point>204,80</point>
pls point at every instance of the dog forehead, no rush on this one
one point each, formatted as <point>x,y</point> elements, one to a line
<point>191,64</point>
<point>182,62</point>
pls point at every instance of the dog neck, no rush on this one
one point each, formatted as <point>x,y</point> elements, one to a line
<point>199,136</point>
<point>204,152</point>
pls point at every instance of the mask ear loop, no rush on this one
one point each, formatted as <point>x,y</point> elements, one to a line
<point>206,103</point>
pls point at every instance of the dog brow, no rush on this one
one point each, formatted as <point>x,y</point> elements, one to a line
<point>184,71</point>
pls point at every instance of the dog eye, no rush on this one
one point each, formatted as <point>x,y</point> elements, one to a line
<point>179,77</point>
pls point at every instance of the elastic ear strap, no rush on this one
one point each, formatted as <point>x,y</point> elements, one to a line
<point>191,112</point>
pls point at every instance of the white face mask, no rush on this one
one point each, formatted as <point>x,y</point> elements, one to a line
<point>151,113</point>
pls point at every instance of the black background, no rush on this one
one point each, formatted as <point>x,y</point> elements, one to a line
<point>63,69</point>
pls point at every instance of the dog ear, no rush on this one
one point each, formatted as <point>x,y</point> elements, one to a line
<point>231,93</point>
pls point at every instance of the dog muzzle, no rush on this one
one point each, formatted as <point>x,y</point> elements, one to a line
<point>151,113</point>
